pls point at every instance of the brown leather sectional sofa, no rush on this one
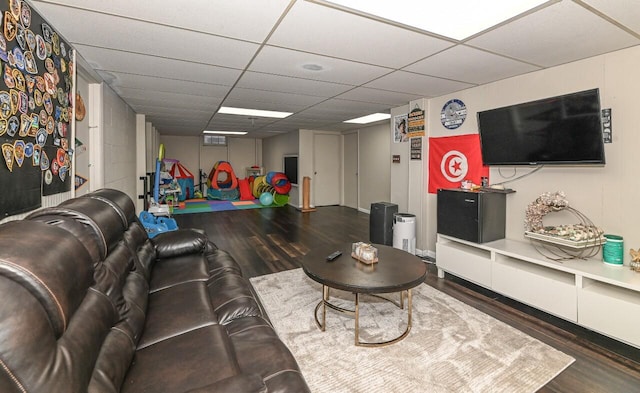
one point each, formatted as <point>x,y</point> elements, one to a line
<point>90,304</point>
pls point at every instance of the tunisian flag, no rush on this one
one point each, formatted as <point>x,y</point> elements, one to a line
<point>453,159</point>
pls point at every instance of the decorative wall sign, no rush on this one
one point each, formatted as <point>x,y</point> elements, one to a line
<point>35,85</point>
<point>416,122</point>
<point>416,148</point>
<point>453,114</point>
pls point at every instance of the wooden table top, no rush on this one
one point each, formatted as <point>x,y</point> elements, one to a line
<point>396,270</point>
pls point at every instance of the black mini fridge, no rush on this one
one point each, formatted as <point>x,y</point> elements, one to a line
<point>478,217</point>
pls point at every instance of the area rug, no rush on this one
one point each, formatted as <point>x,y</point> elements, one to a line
<point>452,347</point>
<point>204,205</point>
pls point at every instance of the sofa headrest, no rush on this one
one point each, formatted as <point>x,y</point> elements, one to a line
<point>53,266</point>
<point>118,200</point>
<point>92,240</point>
<point>107,223</point>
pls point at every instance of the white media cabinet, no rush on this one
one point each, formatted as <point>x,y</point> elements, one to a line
<point>590,293</point>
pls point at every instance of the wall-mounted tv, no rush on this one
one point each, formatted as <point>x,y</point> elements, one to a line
<point>558,130</point>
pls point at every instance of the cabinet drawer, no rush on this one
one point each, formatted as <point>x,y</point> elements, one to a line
<point>610,310</point>
<point>547,289</point>
<point>467,262</point>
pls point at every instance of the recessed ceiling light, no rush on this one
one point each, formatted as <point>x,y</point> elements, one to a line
<point>459,21</point>
<point>253,112</point>
<point>225,132</point>
<point>313,67</point>
<point>369,118</point>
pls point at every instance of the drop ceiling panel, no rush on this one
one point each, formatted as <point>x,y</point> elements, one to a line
<point>148,38</point>
<point>470,65</point>
<point>236,18</point>
<point>195,55</point>
<point>626,12</point>
<point>183,120</point>
<point>152,84</point>
<point>233,122</point>
<point>284,100</point>
<point>287,62</point>
<point>361,39</point>
<point>110,60</point>
<point>389,98</point>
<point>560,33</point>
<point>352,107</point>
<point>422,85</point>
<point>170,99</point>
<point>285,84</point>
<point>262,105</point>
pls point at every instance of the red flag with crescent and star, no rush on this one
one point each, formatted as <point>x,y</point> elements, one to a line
<point>453,159</point>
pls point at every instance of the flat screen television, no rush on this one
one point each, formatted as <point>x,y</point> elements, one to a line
<point>558,130</point>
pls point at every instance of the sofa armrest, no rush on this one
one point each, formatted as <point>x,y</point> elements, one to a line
<point>246,383</point>
<point>181,242</point>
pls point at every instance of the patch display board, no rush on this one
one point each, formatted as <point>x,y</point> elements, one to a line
<point>35,109</point>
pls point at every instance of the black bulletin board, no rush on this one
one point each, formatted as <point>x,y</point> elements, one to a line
<point>35,109</point>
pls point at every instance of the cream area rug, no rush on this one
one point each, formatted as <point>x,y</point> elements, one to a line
<point>452,347</point>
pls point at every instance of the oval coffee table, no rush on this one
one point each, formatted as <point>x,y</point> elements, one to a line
<point>396,271</point>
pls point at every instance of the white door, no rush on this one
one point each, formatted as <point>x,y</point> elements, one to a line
<point>325,184</point>
<point>351,170</point>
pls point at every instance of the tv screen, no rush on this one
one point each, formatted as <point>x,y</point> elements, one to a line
<point>291,168</point>
<point>558,130</point>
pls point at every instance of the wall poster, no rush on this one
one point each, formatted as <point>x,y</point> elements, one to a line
<point>35,109</point>
<point>399,131</point>
<point>416,122</point>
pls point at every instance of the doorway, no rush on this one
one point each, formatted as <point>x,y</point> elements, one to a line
<point>351,185</point>
<point>326,169</point>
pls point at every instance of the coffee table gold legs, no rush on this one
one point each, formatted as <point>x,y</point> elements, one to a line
<point>324,303</point>
<point>388,342</point>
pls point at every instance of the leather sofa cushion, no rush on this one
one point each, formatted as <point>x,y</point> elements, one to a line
<point>245,383</point>
<point>232,298</point>
<point>175,311</point>
<point>260,351</point>
<point>177,270</point>
<point>182,362</point>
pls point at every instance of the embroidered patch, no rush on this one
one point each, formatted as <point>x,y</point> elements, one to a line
<point>7,153</point>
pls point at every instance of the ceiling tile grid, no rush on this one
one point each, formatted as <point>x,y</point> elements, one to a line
<point>178,62</point>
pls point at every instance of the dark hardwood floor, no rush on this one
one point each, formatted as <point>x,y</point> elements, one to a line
<point>270,240</point>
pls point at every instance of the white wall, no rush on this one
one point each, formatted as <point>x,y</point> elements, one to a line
<point>186,149</point>
<point>374,165</point>
<point>119,122</point>
<point>606,194</point>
